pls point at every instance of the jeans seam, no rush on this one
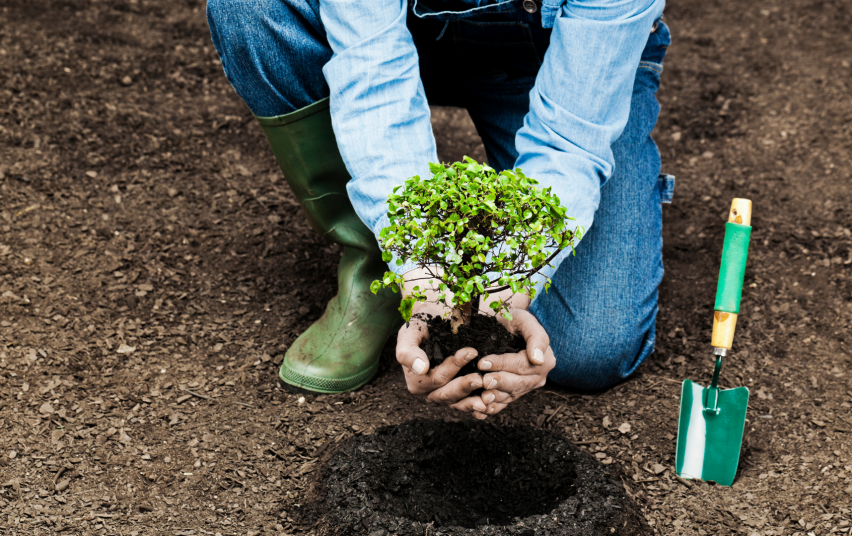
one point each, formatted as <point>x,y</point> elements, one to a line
<point>651,66</point>
<point>462,14</point>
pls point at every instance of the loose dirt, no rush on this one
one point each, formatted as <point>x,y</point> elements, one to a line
<point>154,267</point>
<point>484,334</point>
<point>472,478</point>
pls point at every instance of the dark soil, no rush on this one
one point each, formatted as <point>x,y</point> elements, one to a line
<point>154,267</point>
<point>457,476</point>
<point>484,333</point>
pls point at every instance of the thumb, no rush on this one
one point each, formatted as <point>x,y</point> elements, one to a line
<point>408,351</point>
<point>532,332</point>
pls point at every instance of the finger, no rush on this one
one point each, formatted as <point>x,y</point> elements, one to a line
<point>533,333</point>
<point>471,404</point>
<point>515,363</point>
<point>507,382</point>
<point>408,351</point>
<point>495,408</point>
<point>479,415</point>
<point>503,381</point>
<point>489,397</point>
<point>456,390</point>
<point>446,371</point>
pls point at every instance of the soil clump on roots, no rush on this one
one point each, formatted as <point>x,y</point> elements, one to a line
<point>484,333</point>
<point>472,478</point>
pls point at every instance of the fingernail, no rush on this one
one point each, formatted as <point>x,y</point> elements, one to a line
<point>492,384</point>
<point>490,410</point>
<point>419,366</point>
<point>490,399</point>
<point>475,385</point>
<point>538,356</point>
<point>484,365</point>
<point>470,355</point>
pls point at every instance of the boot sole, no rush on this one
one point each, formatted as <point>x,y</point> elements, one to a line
<point>295,382</point>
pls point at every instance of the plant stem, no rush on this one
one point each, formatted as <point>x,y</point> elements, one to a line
<point>463,314</point>
<point>456,320</point>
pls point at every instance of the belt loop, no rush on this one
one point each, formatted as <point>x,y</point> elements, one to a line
<point>440,35</point>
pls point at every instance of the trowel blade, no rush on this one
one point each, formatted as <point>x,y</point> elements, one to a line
<point>708,442</point>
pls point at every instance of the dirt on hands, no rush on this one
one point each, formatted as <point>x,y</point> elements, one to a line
<point>485,334</point>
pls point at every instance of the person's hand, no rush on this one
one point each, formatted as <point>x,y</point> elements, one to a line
<point>510,376</point>
<point>437,385</point>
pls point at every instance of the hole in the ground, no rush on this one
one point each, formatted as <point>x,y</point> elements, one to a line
<point>467,475</point>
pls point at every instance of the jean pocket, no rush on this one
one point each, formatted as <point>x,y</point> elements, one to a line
<point>666,185</point>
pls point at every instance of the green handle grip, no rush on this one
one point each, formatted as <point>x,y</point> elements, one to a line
<point>731,274</point>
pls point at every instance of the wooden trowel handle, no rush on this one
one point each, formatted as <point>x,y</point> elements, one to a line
<point>731,274</point>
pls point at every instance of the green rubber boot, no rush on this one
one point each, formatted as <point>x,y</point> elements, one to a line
<point>341,351</point>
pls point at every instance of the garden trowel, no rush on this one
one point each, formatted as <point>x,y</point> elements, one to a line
<point>711,422</point>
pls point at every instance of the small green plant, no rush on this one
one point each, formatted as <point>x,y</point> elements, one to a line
<point>474,231</point>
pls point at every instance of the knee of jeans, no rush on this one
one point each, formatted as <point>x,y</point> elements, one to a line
<point>231,21</point>
<point>239,28</point>
<point>602,350</point>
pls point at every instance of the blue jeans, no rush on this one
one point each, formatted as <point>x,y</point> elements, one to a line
<point>601,308</point>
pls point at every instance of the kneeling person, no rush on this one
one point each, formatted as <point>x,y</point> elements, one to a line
<point>563,90</point>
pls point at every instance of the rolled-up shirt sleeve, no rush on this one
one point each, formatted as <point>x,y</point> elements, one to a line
<point>378,106</point>
<point>581,99</point>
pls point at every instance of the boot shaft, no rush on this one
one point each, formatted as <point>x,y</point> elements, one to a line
<point>306,150</point>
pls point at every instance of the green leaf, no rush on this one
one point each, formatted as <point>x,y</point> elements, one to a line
<point>406,308</point>
<point>375,286</point>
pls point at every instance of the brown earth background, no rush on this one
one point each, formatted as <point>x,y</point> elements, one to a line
<point>154,267</point>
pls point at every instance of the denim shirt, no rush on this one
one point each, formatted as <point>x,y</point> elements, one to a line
<point>579,104</point>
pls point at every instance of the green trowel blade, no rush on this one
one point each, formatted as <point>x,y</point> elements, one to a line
<point>710,432</point>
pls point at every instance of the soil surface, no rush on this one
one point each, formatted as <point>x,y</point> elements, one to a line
<point>485,334</point>
<point>154,267</point>
<point>455,477</point>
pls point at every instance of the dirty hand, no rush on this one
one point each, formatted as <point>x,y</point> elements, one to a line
<point>510,376</point>
<point>437,384</point>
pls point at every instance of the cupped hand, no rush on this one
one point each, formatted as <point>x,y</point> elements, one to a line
<point>510,376</point>
<point>438,385</point>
